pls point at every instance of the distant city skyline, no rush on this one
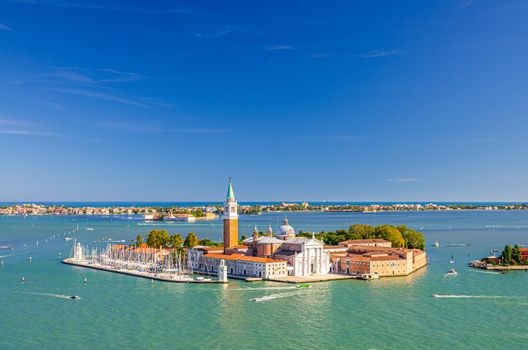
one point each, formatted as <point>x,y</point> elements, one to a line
<point>350,101</point>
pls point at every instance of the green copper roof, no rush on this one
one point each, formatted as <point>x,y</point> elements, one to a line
<point>230,192</point>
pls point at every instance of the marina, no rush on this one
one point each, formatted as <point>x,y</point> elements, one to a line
<point>154,264</point>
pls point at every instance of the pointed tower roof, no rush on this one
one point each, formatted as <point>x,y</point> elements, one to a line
<point>230,192</point>
<point>270,231</point>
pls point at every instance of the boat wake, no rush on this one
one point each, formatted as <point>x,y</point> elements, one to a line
<point>262,288</point>
<point>484,272</point>
<point>52,295</point>
<point>273,297</point>
<point>462,296</point>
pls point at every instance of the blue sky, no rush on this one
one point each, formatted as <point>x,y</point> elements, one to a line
<point>296,100</point>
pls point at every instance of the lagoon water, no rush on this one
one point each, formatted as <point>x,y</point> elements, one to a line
<point>486,310</point>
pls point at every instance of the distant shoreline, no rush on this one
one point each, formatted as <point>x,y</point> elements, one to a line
<point>210,211</point>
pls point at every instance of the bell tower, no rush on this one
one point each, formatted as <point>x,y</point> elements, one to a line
<point>230,219</point>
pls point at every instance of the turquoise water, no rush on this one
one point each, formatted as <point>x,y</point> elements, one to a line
<point>118,311</point>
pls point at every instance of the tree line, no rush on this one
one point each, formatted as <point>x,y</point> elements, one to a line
<point>512,256</point>
<point>162,238</point>
<point>400,236</point>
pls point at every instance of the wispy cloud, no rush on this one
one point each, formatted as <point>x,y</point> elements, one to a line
<point>366,55</point>
<point>69,75</point>
<point>106,6</point>
<point>6,28</point>
<point>26,132</point>
<point>378,54</point>
<point>279,48</point>
<point>103,96</point>
<point>79,76</point>
<point>52,105</point>
<point>10,122</point>
<point>213,35</point>
<point>21,128</point>
<point>148,127</point>
<point>120,77</point>
<point>403,179</point>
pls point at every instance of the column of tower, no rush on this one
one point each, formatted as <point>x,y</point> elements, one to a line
<point>230,219</point>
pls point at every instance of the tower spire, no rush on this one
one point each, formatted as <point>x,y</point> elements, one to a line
<point>230,193</point>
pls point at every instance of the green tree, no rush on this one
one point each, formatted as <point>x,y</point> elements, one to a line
<point>413,239</point>
<point>191,240</point>
<point>139,240</point>
<point>198,213</point>
<point>175,240</point>
<point>358,231</point>
<point>516,254</point>
<point>209,243</point>
<point>158,238</point>
<point>507,255</point>
<point>390,233</point>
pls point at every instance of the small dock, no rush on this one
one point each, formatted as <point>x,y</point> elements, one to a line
<point>147,275</point>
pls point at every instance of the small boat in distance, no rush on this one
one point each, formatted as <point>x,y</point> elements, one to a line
<point>68,239</point>
<point>452,260</point>
<point>436,244</point>
<point>75,297</point>
<point>89,229</point>
<point>451,272</point>
<point>303,285</point>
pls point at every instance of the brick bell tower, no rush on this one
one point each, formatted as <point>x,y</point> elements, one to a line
<point>230,220</point>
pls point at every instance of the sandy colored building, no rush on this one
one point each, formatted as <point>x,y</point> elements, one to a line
<point>381,259</point>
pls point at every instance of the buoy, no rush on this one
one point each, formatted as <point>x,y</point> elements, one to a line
<point>60,254</point>
<point>30,258</point>
<point>85,280</point>
<point>23,279</point>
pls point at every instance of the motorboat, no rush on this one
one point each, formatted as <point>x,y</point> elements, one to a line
<point>303,285</point>
<point>436,244</point>
<point>68,238</point>
<point>75,297</point>
<point>89,229</point>
<point>451,272</point>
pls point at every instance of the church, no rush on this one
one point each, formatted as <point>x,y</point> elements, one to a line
<point>268,256</point>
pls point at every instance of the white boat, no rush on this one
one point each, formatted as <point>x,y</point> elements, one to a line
<point>68,238</point>
<point>89,229</point>
<point>436,244</point>
<point>451,272</point>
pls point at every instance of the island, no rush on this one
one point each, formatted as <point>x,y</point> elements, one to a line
<point>515,258</point>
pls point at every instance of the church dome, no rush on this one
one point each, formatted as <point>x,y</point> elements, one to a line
<point>285,229</point>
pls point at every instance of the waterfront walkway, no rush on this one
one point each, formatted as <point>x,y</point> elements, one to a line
<point>151,276</point>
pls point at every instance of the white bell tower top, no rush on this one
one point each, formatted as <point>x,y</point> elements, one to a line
<point>230,205</point>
